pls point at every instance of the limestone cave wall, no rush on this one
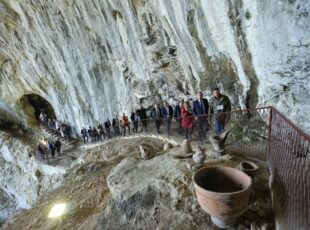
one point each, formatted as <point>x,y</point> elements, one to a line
<point>91,59</point>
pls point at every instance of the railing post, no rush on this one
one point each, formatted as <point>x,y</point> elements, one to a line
<point>269,136</point>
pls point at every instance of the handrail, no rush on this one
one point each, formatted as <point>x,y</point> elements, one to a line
<point>211,114</point>
<point>301,132</point>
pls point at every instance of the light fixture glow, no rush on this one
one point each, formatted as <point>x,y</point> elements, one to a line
<point>57,210</point>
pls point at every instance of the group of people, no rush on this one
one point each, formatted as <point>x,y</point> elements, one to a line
<point>55,125</point>
<point>46,147</point>
<point>117,127</point>
<point>199,112</point>
<point>185,113</point>
<point>49,147</point>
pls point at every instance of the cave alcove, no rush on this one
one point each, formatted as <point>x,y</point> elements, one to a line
<point>33,104</point>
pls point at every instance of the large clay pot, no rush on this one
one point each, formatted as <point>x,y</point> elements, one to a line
<point>224,193</point>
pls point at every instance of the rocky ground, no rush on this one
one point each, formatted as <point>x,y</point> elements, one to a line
<point>110,187</point>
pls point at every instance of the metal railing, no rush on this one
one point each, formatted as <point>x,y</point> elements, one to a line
<point>289,162</point>
<point>248,137</point>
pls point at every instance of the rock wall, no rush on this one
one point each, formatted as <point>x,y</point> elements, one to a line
<point>23,179</point>
<point>90,59</point>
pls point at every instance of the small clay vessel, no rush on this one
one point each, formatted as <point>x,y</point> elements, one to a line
<point>249,168</point>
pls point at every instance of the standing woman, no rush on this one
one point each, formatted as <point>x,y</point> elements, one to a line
<point>187,118</point>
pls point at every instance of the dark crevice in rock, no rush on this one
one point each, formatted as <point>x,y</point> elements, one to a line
<point>116,14</point>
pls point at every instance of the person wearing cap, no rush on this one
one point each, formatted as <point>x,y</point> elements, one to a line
<point>220,105</point>
<point>201,111</point>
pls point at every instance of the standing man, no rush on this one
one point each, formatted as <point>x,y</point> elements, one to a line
<point>143,119</point>
<point>57,145</point>
<point>107,126</point>
<point>201,111</point>
<point>51,148</point>
<point>157,116</point>
<point>84,135</point>
<point>167,114</point>
<point>40,150</point>
<point>220,105</point>
<point>135,121</point>
<point>90,134</point>
<point>177,115</point>
<point>115,124</point>
<point>100,131</point>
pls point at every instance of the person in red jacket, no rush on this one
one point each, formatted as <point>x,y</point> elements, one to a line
<point>187,118</point>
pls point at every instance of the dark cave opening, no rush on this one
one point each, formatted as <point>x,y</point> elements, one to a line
<point>39,104</point>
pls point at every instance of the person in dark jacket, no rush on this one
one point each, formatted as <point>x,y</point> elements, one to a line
<point>84,135</point>
<point>134,117</point>
<point>40,151</point>
<point>57,145</point>
<point>116,124</point>
<point>143,119</point>
<point>95,134</point>
<point>220,105</point>
<point>67,132</point>
<point>177,115</point>
<point>100,131</point>
<point>51,148</point>
<point>90,134</point>
<point>107,126</point>
<point>157,117</point>
<point>201,111</point>
<point>167,114</point>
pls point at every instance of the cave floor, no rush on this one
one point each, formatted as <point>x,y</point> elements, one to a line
<point>86,190</point>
